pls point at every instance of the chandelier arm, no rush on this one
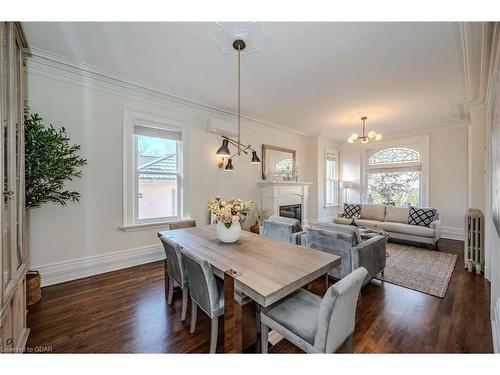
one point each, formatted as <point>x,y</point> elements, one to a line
<point>235,143</point>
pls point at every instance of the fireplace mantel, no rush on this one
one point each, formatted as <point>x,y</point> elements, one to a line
<point>281,193</point>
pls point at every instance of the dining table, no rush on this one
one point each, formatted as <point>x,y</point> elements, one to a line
<point>261,268</point>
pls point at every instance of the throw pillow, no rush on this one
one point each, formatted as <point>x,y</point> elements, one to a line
<point>421,216</point>
<point>352,211</point>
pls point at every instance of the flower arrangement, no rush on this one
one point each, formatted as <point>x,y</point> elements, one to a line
<point>231,211</point>
<point>261,214</point>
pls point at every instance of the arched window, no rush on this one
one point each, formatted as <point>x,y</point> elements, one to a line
<point>393,176</point>
<point>394,155</point>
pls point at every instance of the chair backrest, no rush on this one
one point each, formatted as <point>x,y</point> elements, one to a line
<point>337,313</point>
<point>202,284</point>
<point>280,228</point>
<point>175,267</point>
<point>181,224</point>
<point>340,228</point>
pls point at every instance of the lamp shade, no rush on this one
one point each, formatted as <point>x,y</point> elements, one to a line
<point>223,150</point>
<point>255,158</point>
<point>229,166</point>
<point>346,184</point>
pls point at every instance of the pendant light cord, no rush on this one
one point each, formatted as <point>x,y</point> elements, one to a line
<point>239,143</point>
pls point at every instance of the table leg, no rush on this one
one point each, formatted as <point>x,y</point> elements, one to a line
<point>233,333</point>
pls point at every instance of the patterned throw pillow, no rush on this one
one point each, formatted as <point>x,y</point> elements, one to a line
<point>421,216</point>
<point>352,211</point>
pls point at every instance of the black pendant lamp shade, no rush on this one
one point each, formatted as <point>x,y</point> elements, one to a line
<point>229,165</point>
<point>255,158</point>
<point>223,150</point>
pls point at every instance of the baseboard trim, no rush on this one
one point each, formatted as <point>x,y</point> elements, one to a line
<point>452,233</point>
<point>495,327</point>
<point>61,272</point>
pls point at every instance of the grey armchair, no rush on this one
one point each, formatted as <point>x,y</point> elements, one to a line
<point>313,324</point>
<point>175,273</point>
<point>281,228</point>
<point>207,292</point>
<point>345,241</point>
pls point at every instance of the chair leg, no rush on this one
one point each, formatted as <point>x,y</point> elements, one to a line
<point>170,290</point>
<point>194,310</point>
<point>264,340</point>
<point>184,303</point>
<point>326,281</point>
<point>214,332</point>
<point>348,344</point>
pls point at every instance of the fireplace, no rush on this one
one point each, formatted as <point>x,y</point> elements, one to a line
<point>293,211</point>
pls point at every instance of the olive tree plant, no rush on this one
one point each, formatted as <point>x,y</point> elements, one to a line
<point>51,161</point>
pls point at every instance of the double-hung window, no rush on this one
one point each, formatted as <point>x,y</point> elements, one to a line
<point>157,174</point>
<point>331,179</point>
<point>154,169</point>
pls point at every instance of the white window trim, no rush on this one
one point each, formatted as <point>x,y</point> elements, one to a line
<point>419,143</point>
<point>336,154</point>
<point>131,118</point>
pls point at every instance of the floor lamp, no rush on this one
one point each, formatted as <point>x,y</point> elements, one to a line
<point>345,185</point>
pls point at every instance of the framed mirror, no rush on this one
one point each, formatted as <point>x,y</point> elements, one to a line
<point>277,162</point>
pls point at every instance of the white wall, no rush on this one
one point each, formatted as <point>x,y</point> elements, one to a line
<point>447,171</point>
<point>93,116</point>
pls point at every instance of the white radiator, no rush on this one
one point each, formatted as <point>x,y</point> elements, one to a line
<point>474,240</point>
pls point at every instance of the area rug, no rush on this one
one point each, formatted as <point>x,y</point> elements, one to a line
<point>427,271</point>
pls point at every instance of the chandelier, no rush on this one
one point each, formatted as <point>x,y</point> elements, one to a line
<point>223,150</point>
<point>364,138</point>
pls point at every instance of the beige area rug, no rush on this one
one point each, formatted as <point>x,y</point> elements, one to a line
<point>427,271</point>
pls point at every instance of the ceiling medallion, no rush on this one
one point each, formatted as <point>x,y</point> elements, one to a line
<point>365,138</point>
<point>223,151</point>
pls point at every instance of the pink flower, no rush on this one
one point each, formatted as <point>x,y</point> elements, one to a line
<point>236,218</point>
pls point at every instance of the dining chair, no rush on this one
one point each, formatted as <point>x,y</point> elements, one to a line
<point>175,273</point>
<point>313,324</point>
<point>181,224</point>
<point>207,292</point>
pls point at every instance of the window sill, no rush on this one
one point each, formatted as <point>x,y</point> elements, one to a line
<point>145,226</point>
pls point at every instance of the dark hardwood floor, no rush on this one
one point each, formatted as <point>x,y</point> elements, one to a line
<point>125,312</point>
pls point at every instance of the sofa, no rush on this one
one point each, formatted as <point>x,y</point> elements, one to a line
<point>395,222</point>
<point>345,241</point>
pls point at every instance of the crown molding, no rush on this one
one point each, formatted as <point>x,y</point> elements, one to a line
<point>69,70</point>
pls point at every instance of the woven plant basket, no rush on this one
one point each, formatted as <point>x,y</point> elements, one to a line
<point>33,290</point>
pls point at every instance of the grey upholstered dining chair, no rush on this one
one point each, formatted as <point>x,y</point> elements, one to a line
<point>281,228</point>
<point>207,292</point>
<point>175,273</point>
<point>313,324</point>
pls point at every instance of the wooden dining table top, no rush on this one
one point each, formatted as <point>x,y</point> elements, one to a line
<point>265,269</point>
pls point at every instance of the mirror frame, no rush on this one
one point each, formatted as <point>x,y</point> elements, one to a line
<point>265,148</point>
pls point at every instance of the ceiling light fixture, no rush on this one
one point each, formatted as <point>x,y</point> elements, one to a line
<point>223,151</point>
<point>364,138</point>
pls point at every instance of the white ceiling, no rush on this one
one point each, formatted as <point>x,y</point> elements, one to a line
<point>309,77</point>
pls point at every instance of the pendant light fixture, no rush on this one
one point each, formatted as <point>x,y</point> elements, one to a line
<point>223,151</point>
<point>364,138</point>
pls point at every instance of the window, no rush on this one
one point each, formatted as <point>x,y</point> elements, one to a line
<point>153,170</point>
<point>331,191</point>
<point>157,174</point>
<point>393,176</point>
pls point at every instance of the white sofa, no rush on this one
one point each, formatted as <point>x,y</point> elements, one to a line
<point>394,221</point>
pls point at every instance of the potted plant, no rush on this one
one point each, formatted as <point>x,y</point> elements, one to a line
<point>260,215</point>
<point>50,162</point>
<point>229,215</point>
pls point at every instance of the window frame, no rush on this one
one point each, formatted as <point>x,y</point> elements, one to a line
<point>177,174</point>
<point>419,144</point>
<point>336,191</point>
<point>131,120</point>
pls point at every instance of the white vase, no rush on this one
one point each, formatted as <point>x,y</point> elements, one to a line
<point>228,235</point>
